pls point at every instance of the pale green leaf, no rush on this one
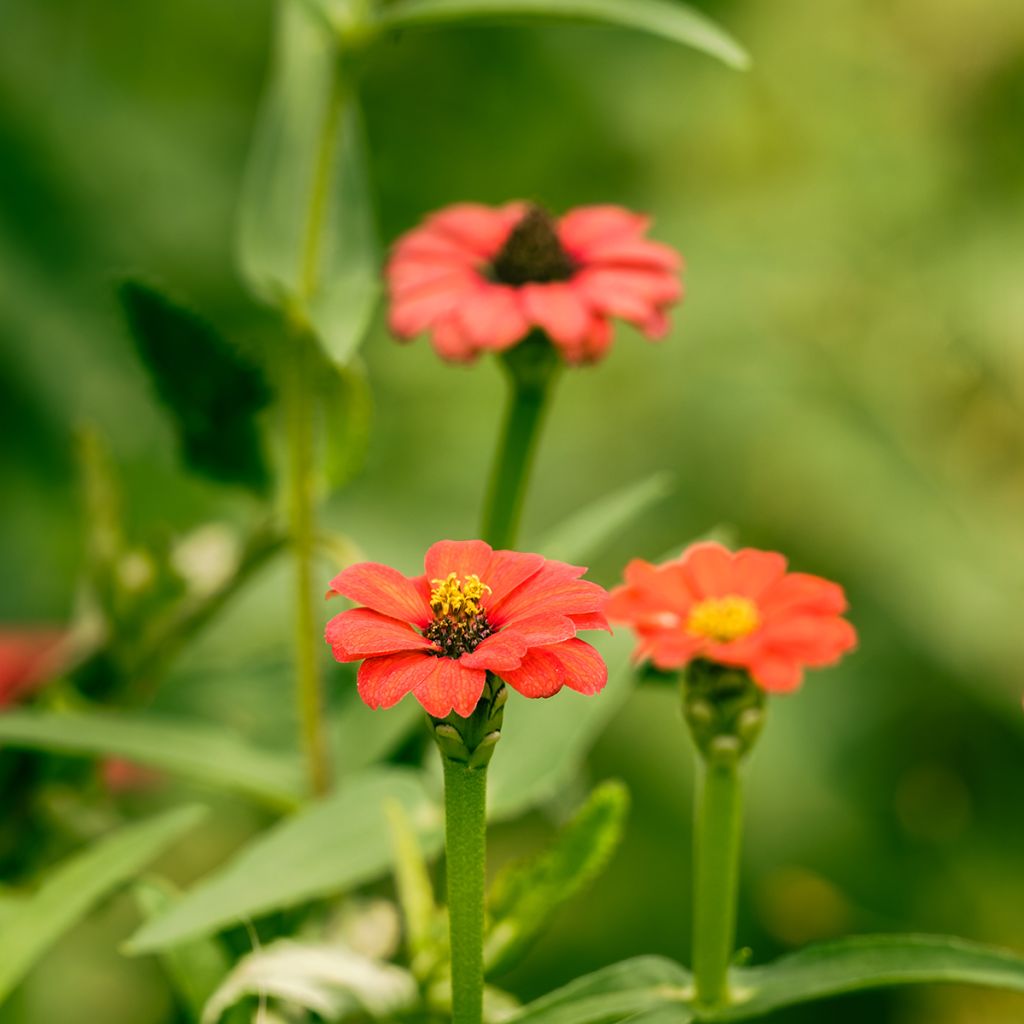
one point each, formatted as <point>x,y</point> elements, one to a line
<point>361,737</point>
<point>586,533</point>
<point>527,894</point>
<point>544,742</point>
<point>869,961</point>
<point>327,847</point>
<point>675,21</point>
<point>412,882</point>
<point>195,969</point>
<point>204,753</point>
<point>621,992</point>
<point>326,980</point>
<point>345,411</point>
<point>71,889</point>
<point>307,239</point>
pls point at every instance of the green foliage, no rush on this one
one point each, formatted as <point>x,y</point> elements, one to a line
<point>345,406</point>
<point>587,532</point>
<point>71,889</point>
<point>307,239</point>
<point>415,891</point>
<point>207,754</point>
<point>526,896</point>
<point>195,969</point>
<point>617,993</point>
<point>677,22</point>
<point>212,391</point>
<point>869,961</point>
<point>327,847</point>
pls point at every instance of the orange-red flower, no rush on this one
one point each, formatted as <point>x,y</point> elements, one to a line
<point>474,611</point>
<point>480,278</point>
<point>734,608</point>
<point>28,658</point>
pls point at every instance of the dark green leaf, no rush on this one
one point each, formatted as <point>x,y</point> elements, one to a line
<point>869,961</point>
<point>75,886</point>
<point>210,388</point>
<point>195,969</point>
<point>621,992</point>
<point>674,21</point>
<point>586,533</point>
<point>204,753</point>
<point>525,897</point>
<point>308,242</point>
<point>327,847</point>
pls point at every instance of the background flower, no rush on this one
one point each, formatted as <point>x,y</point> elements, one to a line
<point>734,608</point>
<point>480,278</point>
<point>475,610</point>
<point>28,658</point>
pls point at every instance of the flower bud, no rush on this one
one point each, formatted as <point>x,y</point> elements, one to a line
<point>471,741</point>
<point>724,709</point>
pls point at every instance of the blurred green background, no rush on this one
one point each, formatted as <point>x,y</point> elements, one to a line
<point>844,382</point>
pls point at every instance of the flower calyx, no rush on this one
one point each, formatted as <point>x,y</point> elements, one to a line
<point>724,709</point>
<point>471,741</point>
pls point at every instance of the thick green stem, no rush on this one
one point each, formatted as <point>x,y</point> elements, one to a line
<point>717,830</point>
<point>465,801</point>
<point>302,523</point>
<point>532,367</point>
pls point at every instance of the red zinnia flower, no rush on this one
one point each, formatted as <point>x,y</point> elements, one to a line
<point>734,608</point>
<point>481,278</point>
<point>28,658</point>
<point>474,611</point>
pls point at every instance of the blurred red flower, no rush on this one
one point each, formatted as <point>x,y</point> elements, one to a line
<point>480,278</point>
<point>474,611</point>
<point>29,657</point>
<point>734,608</point>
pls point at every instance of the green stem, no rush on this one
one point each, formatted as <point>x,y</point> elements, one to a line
<point>465,802</point>
<point>717,828</point>
<point>532,368</point>
<point>303,526</point>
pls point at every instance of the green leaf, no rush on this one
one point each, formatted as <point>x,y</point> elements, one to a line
<point>327,847</point>
<point>71,889</point>
<point>644,985</point>
<point>308,243</point>
<point>668,19</point>
<point>586,533</point>
<point>869,961</point>
<point>544,742</point>
<point>327,980</point>
<point>214,410</point>
<point>195,969</point>
<point>346,409</point>
<point>525,897</point>
<point>204,753</point>
<point>412,882</point>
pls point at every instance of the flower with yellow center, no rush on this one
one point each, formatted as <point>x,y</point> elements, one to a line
<point>459,622</point>
<point>723,619</point>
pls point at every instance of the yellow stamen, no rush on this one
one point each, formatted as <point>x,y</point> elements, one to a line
<point>723,619</point>
<point>452,596</point>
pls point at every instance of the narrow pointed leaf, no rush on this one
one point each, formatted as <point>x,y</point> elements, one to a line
<point>307,239</point>
<point>870,961</point>
<point>621,992</point>
<point>214,412</point>
<point>586,533</point>
<point>327,847</point>
<point>668,19</point>
<point>206,754</point>
<point>71,889</point>
<point>195,969</point>
<point>412,882</point>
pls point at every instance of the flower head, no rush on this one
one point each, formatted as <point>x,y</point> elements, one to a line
<point>481,278</point>
<point>740,609</point>
<point>474,611</point>
<point>28,658</point>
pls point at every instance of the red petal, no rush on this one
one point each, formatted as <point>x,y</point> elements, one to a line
<point>408,317</point>
<point>383,682</point>
<point>499,652</point>
<point>591,620</point>
<point>385,590</point>
<point>554,590</point>
<point>541,630</point>
<point>427,244</point>
<point>540,675</point>
<point>462,557</point>
<point>584,669</point>
<point>507,570</point>
<point>777,675</point>
<point>755,571</point>
<point>708,569</point>
<point>362,633</point>
<point>449,686</point>
<point>801,592</point>
<point>481,228</point>
<point>586,226</point>
<point>451,343</point>
<point>812,640</point>
<point>634,253</point>
<point>559,310</point>
<point>492,316</point>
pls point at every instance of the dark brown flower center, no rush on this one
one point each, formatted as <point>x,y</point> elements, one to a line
<point>533,252</point>
<point>459,624</point>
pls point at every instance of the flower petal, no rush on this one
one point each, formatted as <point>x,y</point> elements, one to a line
<point>799,591</point>
<point>362,633</point>
<point>777,675</point>
<point>634,252</point>
<point>462,557</point>
<point>586,226</point>
<point>492,316</point>
<point>451,342</point>
<point>584,669</point>
<point>540,675</point>
<point>384,681</point>
<point>541,630</point>
<point>707,568</point>
<point>481,228</point>
<point>409,317</point>
<point>499,652</point>
<point>449,686</point>
<point>591,620</point>
<point>384,590</point>
<point>555,589</point>
<point>506,571</point>
<point>557,309</point>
